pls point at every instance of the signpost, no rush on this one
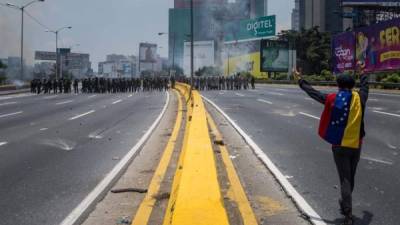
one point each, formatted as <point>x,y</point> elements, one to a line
<point>250,29</point>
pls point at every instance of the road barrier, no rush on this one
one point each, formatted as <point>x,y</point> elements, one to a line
<point>195,198</point>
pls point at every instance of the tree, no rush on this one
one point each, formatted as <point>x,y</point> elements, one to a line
<point>313,49</point>
<point>3,76</point>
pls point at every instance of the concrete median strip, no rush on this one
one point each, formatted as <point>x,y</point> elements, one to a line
<point>196,197</point>
<point>146,207</point>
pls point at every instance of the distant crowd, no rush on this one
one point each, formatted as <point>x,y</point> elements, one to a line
<point>99,85</point>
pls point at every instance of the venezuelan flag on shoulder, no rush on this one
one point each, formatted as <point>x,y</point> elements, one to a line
<point>341,120</point>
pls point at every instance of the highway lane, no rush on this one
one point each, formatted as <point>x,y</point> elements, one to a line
<point>57,149</point>
<point>283,121</point>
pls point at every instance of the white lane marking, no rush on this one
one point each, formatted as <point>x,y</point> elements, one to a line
<point>373,99</point>
<point>94,196</point>
<point>384,94</point>
<point>310,99</point>
<point>15,96</point>
<point>10,114</point>
<point>81,115</point>
<point>130,96</point>
<point>65,102</point>
<point>118,101</point>
<point>50,97</point>
<point>274,93</point>
<point>309,115</point>
<point>377,160</point>
<point>92,96</point>
<point>287,186</point>
<point>3,143</point>
<point>386,113</point>
<point>8,103</point>
<point>238,94</point>
<point>43,129</point>
<point>265,101</point>
<point>221,93</point>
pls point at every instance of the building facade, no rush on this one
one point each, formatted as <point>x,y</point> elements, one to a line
<point>324,14</point>
<point>118,66</point>
<point>209,19</point>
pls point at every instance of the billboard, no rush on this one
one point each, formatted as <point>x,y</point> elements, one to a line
<point>242,57</point>
<point>343,52</point>
<point>370,3</point>
<point>375,48</point>
<point>274,56</point>
<point>378,46</point>
<point>148,53</point>
<point>250,28</point>
<point>203,55</point>
<point>147,57</point>
<point>43,55</point>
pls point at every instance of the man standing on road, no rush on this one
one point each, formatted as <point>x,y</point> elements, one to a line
<point>342,125</point>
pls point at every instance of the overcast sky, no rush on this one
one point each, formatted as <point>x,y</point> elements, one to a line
<point>100,27</point>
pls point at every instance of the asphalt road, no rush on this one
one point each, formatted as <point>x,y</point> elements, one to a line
<point>55,149</point>
<point>283,121</point>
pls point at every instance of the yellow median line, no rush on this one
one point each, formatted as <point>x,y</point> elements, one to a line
<point>177,176</point>
<point>196,198</point>
<point>236,190</point>
<point>147,205</point>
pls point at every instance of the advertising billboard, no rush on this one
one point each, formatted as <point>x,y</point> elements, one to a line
<point>147,57</point>
<point>148,53</point>
<point>250,28</point>
<point>203,55</point>
<point>375,48</point>
<point>242,57</point>
<point>370,3</point>
<point>378,46</point>
<point>274,56</point>
<point>343,52</point>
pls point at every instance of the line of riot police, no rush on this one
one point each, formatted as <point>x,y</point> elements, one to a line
<point>236,82</point>
<point>100,85</point>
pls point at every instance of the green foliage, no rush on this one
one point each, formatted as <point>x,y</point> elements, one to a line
<point>313,49</point>
<point>2,65</point>
<point>392,78</point>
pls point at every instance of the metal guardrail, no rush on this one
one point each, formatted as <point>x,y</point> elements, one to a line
<point>332,83</point>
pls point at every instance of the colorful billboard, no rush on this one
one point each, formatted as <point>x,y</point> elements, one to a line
<point>274,56</point>
<point>343,52</point>
<point>378,46</point>
<point>370,2</point>
<point>243,57</point>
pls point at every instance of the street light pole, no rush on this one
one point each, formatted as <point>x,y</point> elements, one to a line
<point>22,8</point>
<point>22,43</point>
<point>191,43</point>
<point>56,33</point>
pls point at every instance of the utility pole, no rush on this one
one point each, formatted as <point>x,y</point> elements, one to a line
<point>22,8</point>
<point>191,43</point>
<point>57,52</point>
